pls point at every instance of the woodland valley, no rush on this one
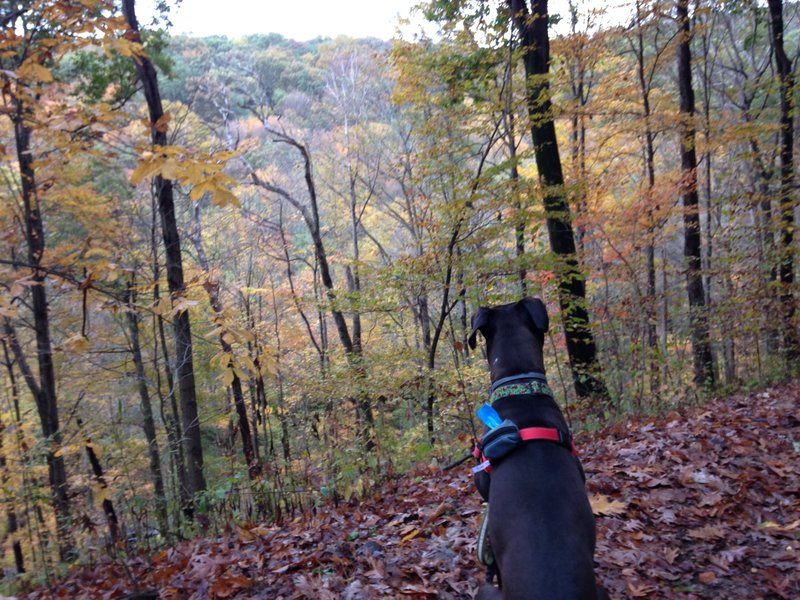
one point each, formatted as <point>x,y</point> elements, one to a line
<point>237,278</point>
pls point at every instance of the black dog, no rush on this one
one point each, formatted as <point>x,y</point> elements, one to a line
<point>541,526</point>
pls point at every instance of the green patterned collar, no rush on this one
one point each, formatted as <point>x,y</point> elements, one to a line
<point>535,386</point>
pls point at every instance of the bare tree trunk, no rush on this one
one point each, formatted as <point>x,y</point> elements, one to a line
<point>282,417</point>
<point>701,343</point>
<point>97,474</point>
<point>650,250</point>
<point>363,407</point>
<point>149,424</point>
<point>256,384</point>
<point>791,343</point>
<point>586,372</point>
<point>170,418</point>
<point>43,390</point>
<point>212,288</point>
<point>580,68</point>
<point>169,227</point>
<point>311,217</point>
<point>12,523</point>
<point>510,136</point>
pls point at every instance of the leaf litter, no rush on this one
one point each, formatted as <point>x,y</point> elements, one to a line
<point>704,503</point>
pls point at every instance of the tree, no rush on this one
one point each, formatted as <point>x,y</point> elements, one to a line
<point>231,372</point>
<point>783,66</point>
<point>25,78</point>
<point>646,71</point>
<point>701,343</point>
<point>532,27</point>
<point>147,408</point>
<point>172,244</point>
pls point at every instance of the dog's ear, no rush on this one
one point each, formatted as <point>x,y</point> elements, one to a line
<point>479,320</point>
<point>538,312</point>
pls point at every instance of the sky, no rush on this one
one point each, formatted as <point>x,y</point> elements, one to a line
<point>294,19</point>
<point>303,19</point>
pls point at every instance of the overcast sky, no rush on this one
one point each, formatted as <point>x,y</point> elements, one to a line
<point>305,19</point>
<point>294,19</point>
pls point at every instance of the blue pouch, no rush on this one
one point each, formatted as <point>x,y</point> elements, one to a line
<point>500,440</point>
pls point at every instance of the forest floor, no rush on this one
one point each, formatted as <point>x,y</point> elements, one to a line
<point>702,503</point>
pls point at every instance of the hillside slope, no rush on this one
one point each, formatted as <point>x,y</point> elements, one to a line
<point>702,504</point>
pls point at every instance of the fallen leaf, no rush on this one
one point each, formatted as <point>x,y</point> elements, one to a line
<point>603,505</point>
<point>707,577</point>
<point>707,532</point>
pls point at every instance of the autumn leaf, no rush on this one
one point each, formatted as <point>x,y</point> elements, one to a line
<point>707,532</point>
<point>33,71</point>
<point>77,343</point>
<point>772,525</point>
<point>162,123</point>
<point>706,577</point>
<point>222,197</point>
<point>640,590</point>
<point>146,169</point>
<point>671,554</point>
<point>410,536</point>
<point>603,505</point>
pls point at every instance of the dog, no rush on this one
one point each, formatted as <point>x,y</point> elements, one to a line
<point>541,527</point>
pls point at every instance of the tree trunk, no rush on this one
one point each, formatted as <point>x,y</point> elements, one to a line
<point>701,344</point>
<point>511,144</point>
<point>100,479</point>
<point>172,245</point>
<point>282,417</point>
<point>170,419</point>
<point>532,29</point>
<point>212,288</point>
<point>256,384</point>
<point>791,343</point>
<point>12,523</point>
<point>148,424</point>
<point>363,406</point>
<point>43,390</point>
<point>652,209</point>
<point>311,218</point>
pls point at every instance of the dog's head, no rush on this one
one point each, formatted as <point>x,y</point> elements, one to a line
<point>514,335</point>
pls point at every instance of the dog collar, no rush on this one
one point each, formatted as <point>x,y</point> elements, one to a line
<point>510,378</point>
<point>536,386</point>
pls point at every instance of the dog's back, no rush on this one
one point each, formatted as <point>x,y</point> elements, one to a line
<point>541,525</point>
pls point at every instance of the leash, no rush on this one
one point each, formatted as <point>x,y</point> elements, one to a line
<point>460,461</point>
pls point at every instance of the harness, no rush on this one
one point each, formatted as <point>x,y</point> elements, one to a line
<point>503,437</point>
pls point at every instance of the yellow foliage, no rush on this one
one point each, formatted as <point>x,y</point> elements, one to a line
<point>33,71</point>
<point>77,343</point>
<point>202,171</point>
<point>67,450</point>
